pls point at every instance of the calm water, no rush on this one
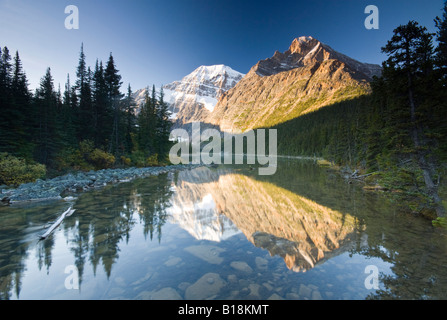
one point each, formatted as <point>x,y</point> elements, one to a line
<point>223,233</point>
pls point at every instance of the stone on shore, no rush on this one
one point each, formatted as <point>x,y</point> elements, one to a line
<point>54,189</point>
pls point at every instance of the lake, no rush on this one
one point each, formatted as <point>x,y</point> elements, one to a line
<point>223,233</point>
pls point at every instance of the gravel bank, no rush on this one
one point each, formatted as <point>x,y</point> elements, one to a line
<point>54,189</point>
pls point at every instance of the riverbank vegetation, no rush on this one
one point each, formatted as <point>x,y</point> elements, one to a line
<point>396,135</point>
<point>91,125</point>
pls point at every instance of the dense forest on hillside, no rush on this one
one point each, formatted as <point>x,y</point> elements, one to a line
<point>90,125</point>
<point>397,133</point>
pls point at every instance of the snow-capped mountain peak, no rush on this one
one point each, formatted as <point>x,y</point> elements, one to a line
<point>196,95</point>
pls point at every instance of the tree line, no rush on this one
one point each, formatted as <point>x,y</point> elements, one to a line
<point>90,125</point>
<point>397,132</point>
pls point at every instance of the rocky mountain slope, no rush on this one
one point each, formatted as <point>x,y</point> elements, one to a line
<point>308,76</point>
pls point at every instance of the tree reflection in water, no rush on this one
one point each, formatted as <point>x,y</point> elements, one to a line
<point>102,220</point>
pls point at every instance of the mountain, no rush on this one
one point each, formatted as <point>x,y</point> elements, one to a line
<point>306,77</point>
<point>194,97</point>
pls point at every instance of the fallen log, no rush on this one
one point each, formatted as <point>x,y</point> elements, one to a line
<point>67,213</point>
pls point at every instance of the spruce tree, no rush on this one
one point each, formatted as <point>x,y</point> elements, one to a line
<point>164,125</point>
<point>154,121</point>
<point>440,88</point>
<point>103,112</point>
<point>21,104</point>
<point>408,74</point>
<point>113,85</point>
<point>68,117</point>
<point>147,126</point>
<point>129,117</point>
<point>441,51</point>
<point>85,110</point>
<point>47,138</point>
<point>8,114</point>
<point>5,70</point>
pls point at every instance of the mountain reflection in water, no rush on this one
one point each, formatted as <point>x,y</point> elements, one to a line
<point>299,230</point>
<point>253,235</point>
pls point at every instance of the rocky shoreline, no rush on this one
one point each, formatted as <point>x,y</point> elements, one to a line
<point>72,183</point>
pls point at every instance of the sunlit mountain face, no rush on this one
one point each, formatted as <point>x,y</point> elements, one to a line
<point>308,76</point>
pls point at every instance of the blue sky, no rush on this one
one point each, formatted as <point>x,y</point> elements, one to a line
<point>160,41</point>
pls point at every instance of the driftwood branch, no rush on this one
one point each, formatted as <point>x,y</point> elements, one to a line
<point>356,177</point>
<point>67,213</point>
<point>363,176</point>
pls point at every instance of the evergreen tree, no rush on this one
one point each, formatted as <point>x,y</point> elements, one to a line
<point>441,51</point>
<point>8,114</point>
<point>85,110</point>
<point>408,76</point>
<point>19,85</point>
<point>129,117</point>
<point>147,126</point>
<point>21,104</point>
<point>103,112</point>
<point>154,121</point>
<point>113,85</point>
<point>440,88</point>
<point>164,125</point>
<point>81,71</point>
<point>68,117</point>
<point>74,105</point>
<point>5,70</point>
<point>47,136</point>
<point>154,96</point>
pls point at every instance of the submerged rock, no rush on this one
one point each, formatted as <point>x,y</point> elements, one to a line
<point>275,297</point>
<point>166,294</point>
<point>305,291</point>
<point>261,263</point>
<point>162,294</point>
<point>207,253</point>
<point>241,266</point>
<point>316,295</point>
<point>207,287</point>
<point>172,261</point>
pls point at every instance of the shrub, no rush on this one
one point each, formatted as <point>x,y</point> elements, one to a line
<point>85,158</point>
<point>101,159</point>
<point>152,160</point>
<point>15,171</point>
<point>324,163</point>
<point>138,159</point>
<point>125,161</point>
<point>440,222</point>
<point>72,159</point>
<point>86,147</point>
